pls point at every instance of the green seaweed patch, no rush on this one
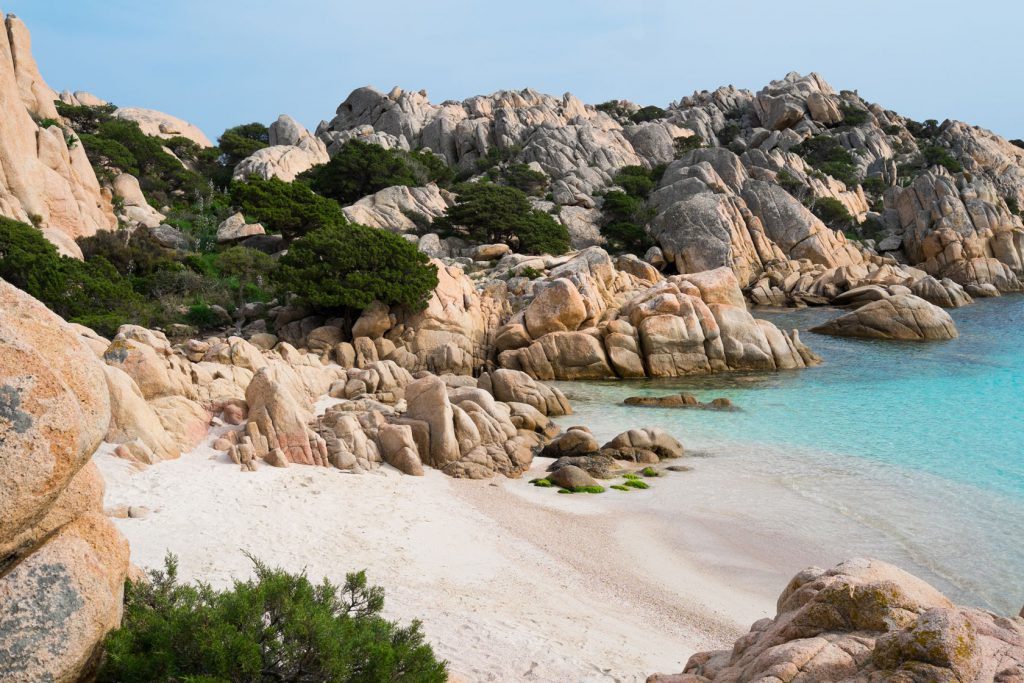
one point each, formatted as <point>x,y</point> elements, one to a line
<point>637,484</point>
<point>631,475</point>
<point>566,491</point>
<point>620,487</point>
<point>650,472</point>
<point>588,489</point>
<point>543,483</point>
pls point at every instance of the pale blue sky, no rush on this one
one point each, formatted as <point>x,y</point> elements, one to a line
<point>218,63</point>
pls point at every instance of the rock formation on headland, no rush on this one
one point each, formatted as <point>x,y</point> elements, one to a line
<point>865,620</point>
<point>62,562</point>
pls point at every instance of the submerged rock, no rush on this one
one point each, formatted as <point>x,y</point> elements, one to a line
<point>683,400</point>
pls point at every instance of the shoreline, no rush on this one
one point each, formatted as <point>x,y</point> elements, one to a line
<point>508,579</point>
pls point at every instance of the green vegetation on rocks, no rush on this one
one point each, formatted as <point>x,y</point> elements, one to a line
<point>347,267</point>
<point>275,627</point>
<point>489,213</point>
<point>291,209</point>
<point>360,169</point>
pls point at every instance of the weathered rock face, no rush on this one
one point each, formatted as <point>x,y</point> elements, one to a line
<point>902,317</point>
<point>451,333</point>
<point>713,214</point>
<point>293,150</point>
<point>865,620</point>
<point>394,208</point>
<point>161,125</point>
<point>45,182</point>
<point>62,563</point>
<point>950,224</point>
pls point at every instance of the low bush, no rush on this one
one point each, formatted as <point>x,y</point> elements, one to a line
<point>648,113</point>
<point>854,116</point>
<point>291,209</point>
<point>345,267</point>
<point>832,212</point>
<point>934,155</point>
<point>489,213</point>
<point>361,168</point>
<point>827,155</point>
<point>275,627</point>
<point>684,145</point>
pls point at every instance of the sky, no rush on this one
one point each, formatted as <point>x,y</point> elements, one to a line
<point>219,63</point>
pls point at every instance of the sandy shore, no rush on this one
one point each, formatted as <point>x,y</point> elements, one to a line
<point>510,581</point>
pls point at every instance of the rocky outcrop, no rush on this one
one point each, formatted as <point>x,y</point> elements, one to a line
<point>959,228</point>
<point>62,563</point>
<point>47,179</point>
<point>161,125</point>
<point>901,317</point>
<point>713,214</point>
<point>398,208</point>
<point>293,150</point>
<point>234,228</point>
<point>576,145</point>
<point>865,620</point>
<point>682,325</point>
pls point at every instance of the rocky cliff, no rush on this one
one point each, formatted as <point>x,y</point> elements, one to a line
<point>45,176</point>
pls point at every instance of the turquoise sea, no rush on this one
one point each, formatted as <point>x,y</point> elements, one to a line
<point>919,446</point>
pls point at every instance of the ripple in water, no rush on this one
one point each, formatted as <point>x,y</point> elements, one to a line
<point>919,446</point>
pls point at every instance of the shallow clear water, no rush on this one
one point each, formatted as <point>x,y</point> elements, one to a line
<point>919,446</point>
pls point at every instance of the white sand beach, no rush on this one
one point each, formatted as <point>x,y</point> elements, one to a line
<point>510,581</point>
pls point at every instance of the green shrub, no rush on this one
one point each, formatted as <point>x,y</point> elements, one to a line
<point>202,316</point>
<point>92,293</point>
<point>485,212</point>
<point>934,155</point>
<point>874,185</point>
<point>243,141</point>
<point>276,627</point>
<point>1016,142</point>
<point>923,131</point>
<point>82,118</point>
<point>291,209</point>
<point>648,113</point>
<point>854,116</point>
<point>892,129</point>
<point>826,154</point>
<point>529,272</point>
<point>789,182</point>
<point>361,168</point>
<point>1013,205</point>
<point>832,212</point>
<point>347,267</point>
<point>245,267</point>
<point>636,181</point>
<point>684,145</point>
<point>730,131</point>
<point>524,178</point>
<point>636,484</point>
